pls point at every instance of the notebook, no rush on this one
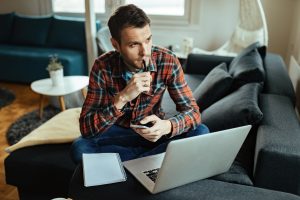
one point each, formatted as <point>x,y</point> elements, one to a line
<point>188,160</point>
<point>102,168</point>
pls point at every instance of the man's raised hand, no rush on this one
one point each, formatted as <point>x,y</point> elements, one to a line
<point>140,82</point>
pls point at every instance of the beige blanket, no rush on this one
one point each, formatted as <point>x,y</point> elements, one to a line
<point>62,128</point>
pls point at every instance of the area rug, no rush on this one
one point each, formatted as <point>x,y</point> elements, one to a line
<point>27,123</point>
<point>6,97</point>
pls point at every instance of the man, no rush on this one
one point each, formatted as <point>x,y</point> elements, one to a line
<point>126,87</point>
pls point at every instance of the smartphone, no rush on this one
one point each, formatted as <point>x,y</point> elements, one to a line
<point>138,126</point>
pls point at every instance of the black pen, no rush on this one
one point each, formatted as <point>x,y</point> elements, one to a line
<point>145,67</point>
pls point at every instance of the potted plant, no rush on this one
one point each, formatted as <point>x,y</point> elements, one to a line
<point>55,69</point>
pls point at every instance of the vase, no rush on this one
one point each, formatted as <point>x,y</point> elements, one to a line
<point>57,77</point>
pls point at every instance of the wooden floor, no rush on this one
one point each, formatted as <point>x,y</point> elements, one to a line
<point>25,101</point>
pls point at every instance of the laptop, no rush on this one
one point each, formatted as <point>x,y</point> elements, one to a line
<point>188,160</point>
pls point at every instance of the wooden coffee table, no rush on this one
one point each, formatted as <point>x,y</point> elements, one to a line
<point>70,84</point>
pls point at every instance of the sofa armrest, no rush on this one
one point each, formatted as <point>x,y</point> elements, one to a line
<point>277,80</point>
<point>278,169</point>
<point>202,64</point>
<point>277,153</point>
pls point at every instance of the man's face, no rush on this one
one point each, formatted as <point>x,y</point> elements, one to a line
<point>135,46</point>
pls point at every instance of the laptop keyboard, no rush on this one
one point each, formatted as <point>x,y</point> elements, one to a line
<point>152,174</point>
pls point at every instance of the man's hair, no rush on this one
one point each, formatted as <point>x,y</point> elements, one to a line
<point>124,17</point>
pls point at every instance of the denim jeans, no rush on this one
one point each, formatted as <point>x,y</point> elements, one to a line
<point>126,142</point>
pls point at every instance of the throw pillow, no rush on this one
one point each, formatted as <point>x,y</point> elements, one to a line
<point>247,68</point>
<point>62,128</point>
<point>30,30</point>
<point>262,50</point>
<point>6,21</point>
<point>215,85</point>
<point>236,174</point>
<point>236,109</point>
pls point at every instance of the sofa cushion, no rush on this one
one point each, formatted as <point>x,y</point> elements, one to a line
<point>67,33</point>
<point>204,189</point>
<point>30,30</point>
<point>247,68</point>
<point>236,109</point>
<point>6,21</point>
<point>279,115</point>
<point>216,85</point>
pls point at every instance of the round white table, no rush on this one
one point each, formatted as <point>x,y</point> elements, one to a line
<point>70,84</point>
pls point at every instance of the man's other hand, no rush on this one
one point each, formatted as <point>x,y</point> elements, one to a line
<point>160,127</point>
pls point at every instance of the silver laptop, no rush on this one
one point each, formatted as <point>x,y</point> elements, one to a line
<point>188,160</point>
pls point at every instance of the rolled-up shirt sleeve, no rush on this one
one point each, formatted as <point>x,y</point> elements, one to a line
<point>189,115</point>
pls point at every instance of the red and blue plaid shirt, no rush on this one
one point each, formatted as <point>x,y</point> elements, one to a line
<point>108,78</point>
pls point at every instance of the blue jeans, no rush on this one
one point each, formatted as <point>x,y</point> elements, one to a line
<point>126,142</point>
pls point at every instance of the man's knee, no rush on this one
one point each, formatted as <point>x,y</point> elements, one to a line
<point>200,130</point>
<point>80,146</point>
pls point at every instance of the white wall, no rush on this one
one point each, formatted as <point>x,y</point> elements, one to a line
<point>24,7</point>
<point>294,42</point>
<point>279,17</point>
<point>211,25</point>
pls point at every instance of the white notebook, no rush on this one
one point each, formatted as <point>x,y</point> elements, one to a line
<point>102,168</point>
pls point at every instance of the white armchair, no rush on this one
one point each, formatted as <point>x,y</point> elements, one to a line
<point>251,27</point>
<point>103,39</point>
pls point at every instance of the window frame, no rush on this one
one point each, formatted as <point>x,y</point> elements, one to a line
<point>169,20</point>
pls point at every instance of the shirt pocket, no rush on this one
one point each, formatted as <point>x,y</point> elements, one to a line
<point>156,94</point>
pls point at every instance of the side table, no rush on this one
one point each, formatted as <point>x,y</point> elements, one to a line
<point>71,84</point>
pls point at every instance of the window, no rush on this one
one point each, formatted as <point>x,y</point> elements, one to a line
<point>159,7</point>
<point>160,11</point>
<point>76,6</point>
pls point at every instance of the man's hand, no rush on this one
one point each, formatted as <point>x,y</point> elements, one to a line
<point>160,127</point>
<point>139,83</point>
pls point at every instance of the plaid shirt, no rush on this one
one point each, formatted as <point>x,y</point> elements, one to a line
<point>108,78</point>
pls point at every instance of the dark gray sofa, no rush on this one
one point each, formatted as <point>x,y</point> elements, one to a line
<point>26,42</point>
<point>267,166</point>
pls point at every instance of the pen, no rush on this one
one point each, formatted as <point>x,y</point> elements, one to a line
<point>145,67</point>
